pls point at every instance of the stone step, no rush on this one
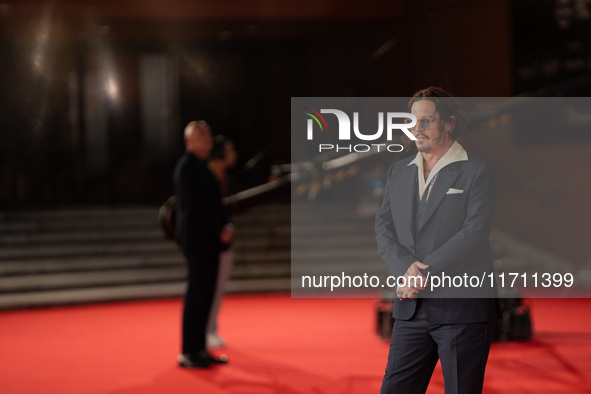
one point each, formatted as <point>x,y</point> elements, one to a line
<point>143,247</point>
<point>327,255</point>
<point>101,212</point>
<point>342,241</point>
<point>87,263</point>
<point>130,292</point>
<point>67,250</point>
<point>81,224</point>
<point>117,262</point>
<point>79,237</point>
<point>103,254</point>
<point>115,277</point>
<point>8,229</point>
<point>247,238</point>
<point>93,219</point>
<point>71,280</point>
<point>336,226</point>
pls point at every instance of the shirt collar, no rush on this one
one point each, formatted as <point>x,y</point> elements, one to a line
<point>455,153</point>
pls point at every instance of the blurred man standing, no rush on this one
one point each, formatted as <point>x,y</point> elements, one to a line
<point>201,231</point>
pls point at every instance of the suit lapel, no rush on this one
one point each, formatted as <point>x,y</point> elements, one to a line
<point>404,195</point>
<point>445,179</point>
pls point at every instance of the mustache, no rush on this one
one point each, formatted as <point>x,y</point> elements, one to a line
<point>422,135</point>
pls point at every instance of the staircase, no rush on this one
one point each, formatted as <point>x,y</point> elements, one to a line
<point>76,256</point>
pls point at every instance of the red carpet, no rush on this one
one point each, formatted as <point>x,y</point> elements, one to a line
<point>276,345</point>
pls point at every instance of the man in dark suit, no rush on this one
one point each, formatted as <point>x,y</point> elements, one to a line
<point>201,231</point>
<point>435,219</point>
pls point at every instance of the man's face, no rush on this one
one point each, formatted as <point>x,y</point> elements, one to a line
<point>429,128</point>
<point>200,141</point>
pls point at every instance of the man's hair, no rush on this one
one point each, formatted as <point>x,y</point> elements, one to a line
<point>191,125</point>
<point>446,105</point>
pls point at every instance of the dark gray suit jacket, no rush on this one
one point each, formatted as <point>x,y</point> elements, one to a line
<point>451,237</point>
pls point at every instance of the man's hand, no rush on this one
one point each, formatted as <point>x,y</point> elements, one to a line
<point>227,234</point>
<point>414,279</point>
<point>418,280</point>
<point>405,292</point>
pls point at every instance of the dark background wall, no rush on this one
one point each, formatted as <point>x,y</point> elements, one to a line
<point>95,95</point>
